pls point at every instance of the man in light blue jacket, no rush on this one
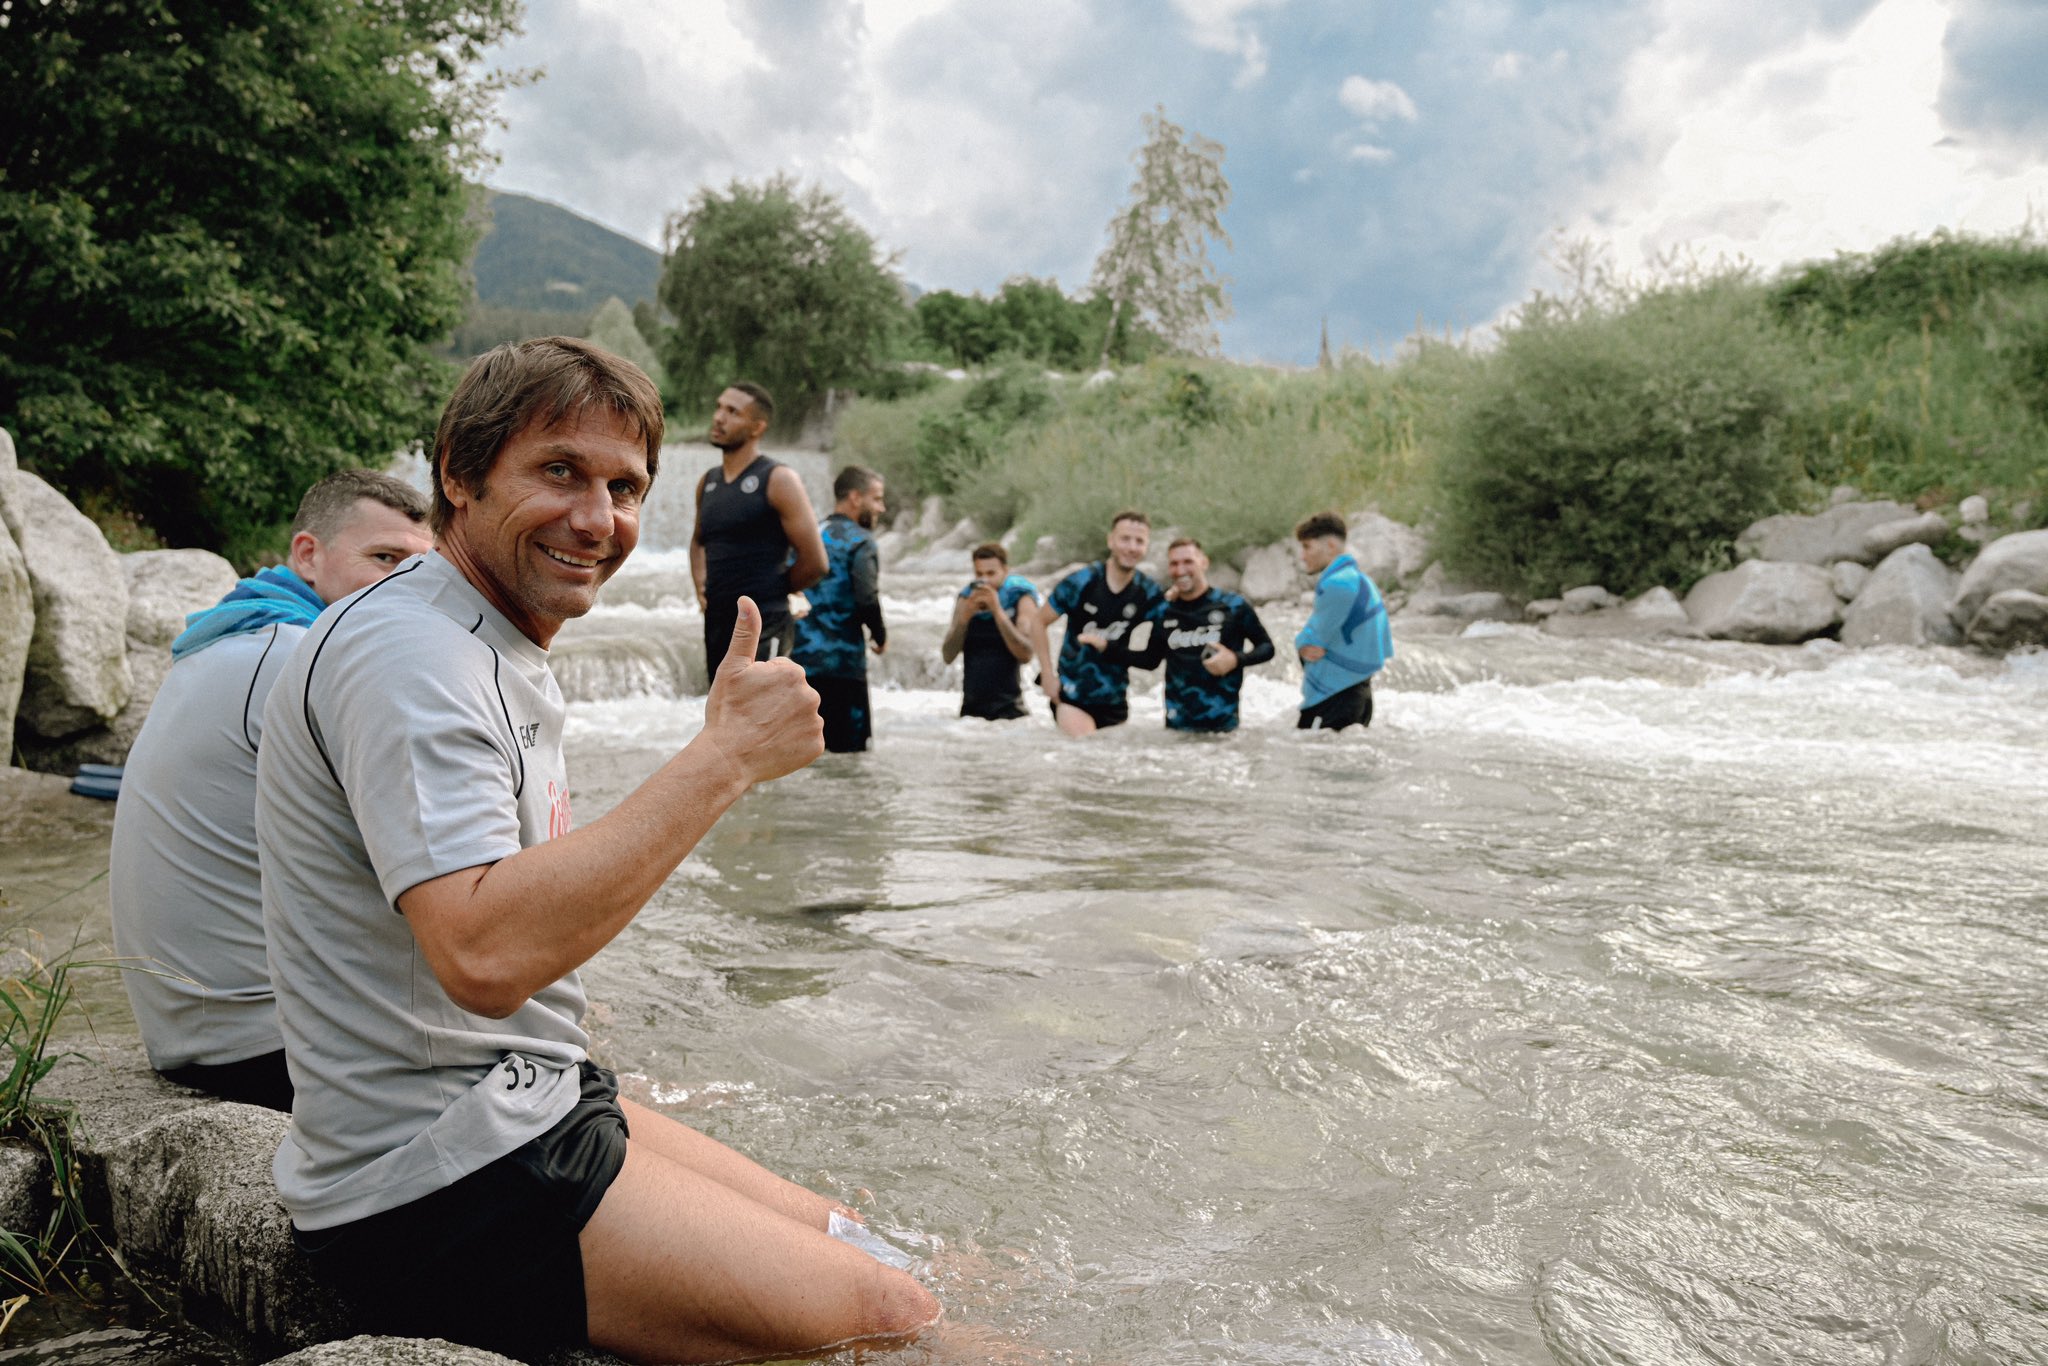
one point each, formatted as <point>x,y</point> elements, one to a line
<point>1346,640</point>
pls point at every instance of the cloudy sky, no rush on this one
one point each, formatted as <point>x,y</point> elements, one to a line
<point>1391,161</point>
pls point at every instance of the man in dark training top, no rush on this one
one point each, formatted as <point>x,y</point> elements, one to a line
<point>756,535</point>
<point>990,634</point>
<point>1206,638</point>
<point>1106,600</point>
<point>847,599</point>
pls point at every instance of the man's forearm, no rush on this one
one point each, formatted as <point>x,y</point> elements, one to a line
<point>495,935</point>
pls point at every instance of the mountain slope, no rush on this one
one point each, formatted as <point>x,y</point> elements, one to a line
<point>539,256</point>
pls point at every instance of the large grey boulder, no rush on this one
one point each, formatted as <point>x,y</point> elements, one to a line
<point>2018,561</point>
<point>17,620</point>
<point>1848,578</point>
<point>1764,601</point>
<point>1589,598</point>
<point>164,586</point>
<point>77,673</point>
<point>1823,538</point>
<point>108,744</point>
<point>1905,602</point>
<point>1388,551</point>
<point>1929,528</point>
<point>1270,573</point>
<point>2012,620</point>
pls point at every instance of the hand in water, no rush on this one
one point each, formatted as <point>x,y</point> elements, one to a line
<point>761,713</point>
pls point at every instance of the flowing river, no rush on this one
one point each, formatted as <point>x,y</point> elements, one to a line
<point>1603,1003</point>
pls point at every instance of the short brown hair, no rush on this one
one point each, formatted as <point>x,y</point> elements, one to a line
<point>1180,541</point>
<point>991,550</point>
<point>854,479</point>
<point>538,382</point>
<point>763,404</point>
<point>1321,524</point>
<point>1131,515</point>
<point>331,503</point>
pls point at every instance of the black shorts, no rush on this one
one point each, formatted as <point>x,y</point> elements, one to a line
<point>1351,707</point>
<point>1106,714</point>
<point>261,1080</point>
<point>492,1261</point>
<point>778,632</point>
<point>843,704</point>
<point>994,707</point>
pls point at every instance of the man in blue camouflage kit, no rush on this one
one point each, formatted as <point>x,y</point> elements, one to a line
<point>1206,638</point>
<point>1347,639</point>
<point>848,598</point>
<point>990,635</point>
<point>1104,601</point>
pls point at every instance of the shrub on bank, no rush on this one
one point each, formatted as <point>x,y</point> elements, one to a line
<point>1621,441</point>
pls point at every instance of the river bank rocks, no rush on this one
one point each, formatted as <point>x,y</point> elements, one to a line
<point>179,1184</point>
<point>85,632</point>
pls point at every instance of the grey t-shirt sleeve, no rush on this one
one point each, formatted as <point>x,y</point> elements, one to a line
<point>427,758</point>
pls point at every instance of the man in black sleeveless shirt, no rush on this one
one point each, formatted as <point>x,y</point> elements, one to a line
<point>756,534</point>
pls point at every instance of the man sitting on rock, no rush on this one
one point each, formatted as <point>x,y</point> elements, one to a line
<point>455,1160</point>
<point>183,886</point>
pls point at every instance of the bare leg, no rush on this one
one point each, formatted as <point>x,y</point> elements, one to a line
<point>706,1156</point>
<point>1074,721</point>
<point>679,1267</point>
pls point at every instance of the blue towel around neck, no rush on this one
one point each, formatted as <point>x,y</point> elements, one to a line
<point>272,596</point>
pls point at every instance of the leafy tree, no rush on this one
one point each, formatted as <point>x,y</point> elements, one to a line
<point>777,283</point>
<point>228,236</point>
<point>613,329</point>
<point>1157,264</point>
<point>1030,320</point>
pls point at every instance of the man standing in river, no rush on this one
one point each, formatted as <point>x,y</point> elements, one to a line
<point>755,534</point>
<point>455,1161</point>
<point>845,602</point>
<point>1104,601</point>
<point>990,635</point>
<point>1206,637</point>
<point>183,886</point>
<point>1347,639</point>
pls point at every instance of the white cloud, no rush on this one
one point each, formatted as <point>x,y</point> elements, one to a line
<point>1372,152</point>
<point>1220,26</point>
<point>1376,101</point>
<point>1506,66</point>
<point>1795,151</point>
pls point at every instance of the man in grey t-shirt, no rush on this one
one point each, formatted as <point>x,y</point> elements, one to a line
<point>455,1161</point>
<point>183,885</point>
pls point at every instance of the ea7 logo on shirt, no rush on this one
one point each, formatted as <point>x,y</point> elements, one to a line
<point>528,735</point>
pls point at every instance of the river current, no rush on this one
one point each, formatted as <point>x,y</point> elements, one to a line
<point>1602,1003</point>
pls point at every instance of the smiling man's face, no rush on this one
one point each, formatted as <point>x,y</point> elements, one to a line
<point>554,518</point>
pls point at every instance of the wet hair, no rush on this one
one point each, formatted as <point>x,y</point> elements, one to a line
<point>540,382</point>
<point>1321,524</point>
<point>854,479</point>
<point>991,550</point>
<point>763,404</point>
<point>1131,515</point>
<point>1180,541</point>
<point>330,504</point>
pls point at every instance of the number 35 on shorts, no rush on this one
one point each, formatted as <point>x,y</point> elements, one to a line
<point>517,1074</point>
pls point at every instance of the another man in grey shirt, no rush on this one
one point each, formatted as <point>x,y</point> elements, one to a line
<point>183,884</point>
<point>455,1160</point>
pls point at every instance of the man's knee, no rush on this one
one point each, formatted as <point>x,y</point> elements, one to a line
<point>896,1307</point>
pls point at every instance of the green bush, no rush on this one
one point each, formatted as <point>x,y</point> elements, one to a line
<point>1623,442</point>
